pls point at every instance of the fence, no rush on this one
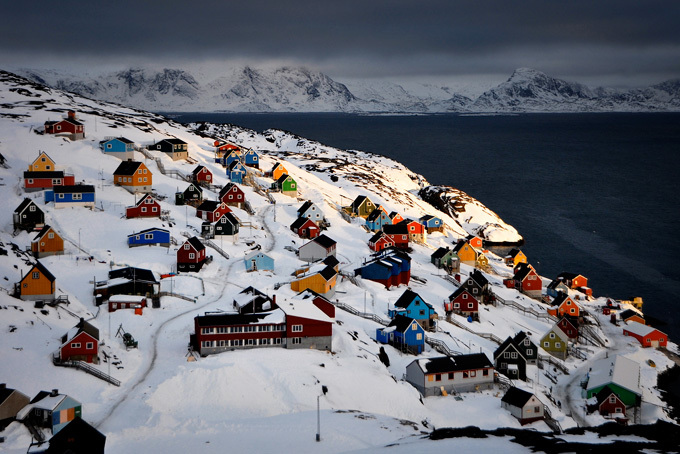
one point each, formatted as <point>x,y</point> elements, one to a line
<point>80,365</point>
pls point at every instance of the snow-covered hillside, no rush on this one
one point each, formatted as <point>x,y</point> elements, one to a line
<point>297,89</point>
<point>261,400</point>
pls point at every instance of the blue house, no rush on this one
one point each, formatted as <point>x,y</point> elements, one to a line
<point>556,287</point>
<point>390,268</point>
<point>377,219</point>
<point>149,237</point>
<point>76,195</point>
<point>236,171</point>
<point>119,147</point>
<point>230,157</point>
<point>403,333</point>
<point>432,223</point>
<point>410,304</point>
<point>51,410</point>
<point>259,261</point>
<point>251,159</point>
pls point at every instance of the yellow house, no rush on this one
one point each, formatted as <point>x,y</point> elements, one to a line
<point>37,284</point>
<point>482,260</point>
<point>42,163</point>
<point>47,242</point>
<point>322,282</point>
<point>515,257</point>
<point>555,342</point>
<point>466,253</point>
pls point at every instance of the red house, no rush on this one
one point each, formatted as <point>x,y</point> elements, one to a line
<point>416,231</point>
<point>307,326</point>
<point>475,241</point>
<point>211,210</point>
<point>146,207</point>
<point>380,241</point>
<point>201,174</point>
<point>191,255</point>
<point>81,343</point>
<point>396,217</point>
<point>398,234</point>
<point>563,305</point>
<point>232,195</point>
<point>646,335</point>
<point>463,303</point>
<point>568,327</point>
<point>305,228</point>
<point>136,302</point>
<point>319,301</point>
<point>69,127</point>
<point>526,280</point>
<point>608,403</point>
<point>36,181</point>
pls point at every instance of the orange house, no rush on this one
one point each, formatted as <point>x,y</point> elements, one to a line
<point>133,176</point>
<point>466,253</point>
<point>37,284</point>
<point>563,305</point>
<point>322,282</point>
<point>42,163</point>
<point>278,170</point>
<point>47,242</point>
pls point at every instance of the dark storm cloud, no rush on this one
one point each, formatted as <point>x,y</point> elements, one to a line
<point>355,37</point>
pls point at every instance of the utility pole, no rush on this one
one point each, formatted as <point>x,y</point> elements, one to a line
<point>318,418</point>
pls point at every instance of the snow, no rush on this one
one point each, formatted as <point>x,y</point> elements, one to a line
<point>234,398</point>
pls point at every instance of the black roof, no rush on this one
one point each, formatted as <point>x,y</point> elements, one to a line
<point>24,204</point>
<point>401,322</point>
<point>479,278</point>
<point>406,298</point>
<point>196,243</point>
<point>629,313</point>
<point>375,214</point>
<point>283,178</point>
<point>45,272</point>
<point>209,205</point>
<point>174,141</point>
<point>235,163</point>
<point>555,283</point>
<point>144,197</point>
<point>460,290</point>
<point>516,397</point>
<point>396,229</point>
<point>229,319</point>
<point>513,252</point>
<point>456,363</point>
<point>231,218</point>
<point>359,200</point>
<point>305,206</point>
<point>299,222</point>
<point>196,188</point>
<point>376,237</point>
<point>328,273</point>
<point>73,188</point>
<point>122,139</point>
<point>324,241</point>
<point>127,168</point>
<point>5,393</point>
<point>44,174</point>
<point>198,169</point>
<point>522,272</point>
<point>559,299</point>
<point>441,252</point>
<point>228,188</point>
<point>134,274</point>
<point>43,231</point>
<point>604,394</point>
<point>331,260</point>
<point>77,437</point>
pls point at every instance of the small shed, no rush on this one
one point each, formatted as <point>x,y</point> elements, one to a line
<point>523,405</point>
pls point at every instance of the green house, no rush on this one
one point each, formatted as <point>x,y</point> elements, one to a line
<point>286,185</point>
<point>620,374</point>
<point>445,257</point>
<point>555,342</point>
<point>362,206</point>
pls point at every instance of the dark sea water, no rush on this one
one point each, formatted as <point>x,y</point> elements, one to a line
<point>595,194</point>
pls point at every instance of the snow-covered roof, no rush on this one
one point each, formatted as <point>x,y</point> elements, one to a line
<point>639,329</point>
<point>304,309</point>
<point>620,370</point>
<point>126,298</point>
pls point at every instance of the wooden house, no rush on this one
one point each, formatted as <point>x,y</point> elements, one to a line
<point>466,253</point>
<point>514,354</point>
<point>236,172</point>
<point>80,343</point>
<point>232,195</point>
<point>226,225</point>
<point>43,163</point>
<point>68,127</point>
<point>79,195</point>
<point>174,148</point>
<point>478,286</point>
<point>377,219</point>
<point>396,217</point>
<point>308,324</point>
<point>251,300</point>
<point>201,175</point>
<point>646,335</point>
<point>563,305</point>
<point>390,268</point>
<point>398,234</point>
<point>77,437</point>
<point>231,156</point>
<point>380,241</point>
<point>222,148</point>
<point>133,176</point>
<point>317,249</point>
<point>556,343</point>
<point>191,255</point>
<point>526,280</point>
<point>211,210</point>
<point>432,223</point>
<point>47,242</point>
<point>40,180</point>
<point>305,228</point>
<point>192,195</point>
<point>403,333</point>
<point>149,237</point>
<point>311,211</point>
<point>146,207</point>
<point>416,230</point>
<point>119,147</point>
<point>11,402</point>
<point>450,374</point>
<point>463,303</point>
<point>555,287</point>
<point>515,257</point>
<point>569,326</point>
<point>362,206</point>
<point>216,333</point>
<point>250,158</point>
<point>127,281</point>
<point>37,284</point>
<point>277,171</point>
<point>523,405</point>
<point>620,374</point>
<point>573,280</point>
<point>51,410</point>
<point>136,302</point>
<point>320,279</point>
<point>445,258</point>
<point>607,403</point>
<point>28,216</point>
<point>286,185</point>
<point>410,304</point>
<point>631,315</point>
<point>259,261</point>
<point>475,241</point>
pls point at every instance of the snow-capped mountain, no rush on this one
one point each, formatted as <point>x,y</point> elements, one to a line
<point>297,89</point>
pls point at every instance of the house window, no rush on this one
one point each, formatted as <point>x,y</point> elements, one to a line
<point>438,377</point>
<point>558,344</point>
<point>206,344</point>
<point>456,305</point>
<point>30,181</point>
<point>50,235</point>
<point>297,340</point>
<point>465,374</point>
<point>506,355</point>
<point>31,208</point>
<point>464,296</point>
<point>77,197</point>
<point>297,328</point>
<point>513,355</point>
<point>470,305</point>
<point>292,185</point>
<point>618,410</point>
<point>552,336</point>
<point>154,209</point>
<point>192,255</point>
<point>612,399</point>
<point>430,378</point>
<point>526,342</point>
<point>530,351</point>
<point>148,236</point>
<point>419,336</point>
<point>186,247</point>
<point>504,365</point>
<point>143,209</point>
<point>572,310</point>
<point>144,179</point>
<point>231,196</point>
<point>89,345</point>
<point>56,181</point>
<point>450,375</point>
<point>75,345</point>
<point>35,275</point>
<point>61,196</point>
<point>473,373</point>
<point>546,344</point>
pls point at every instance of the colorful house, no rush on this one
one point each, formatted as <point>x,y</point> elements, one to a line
<point>277,171</point>
<point>362,206</point>
<point>77,437</point>
<point>127,281</point>
<point>607,403</point>
<point>37,181</point>
<point>286,185</point>
<point>390,268</point>
<point>308,324</point>
<point>231,156</point>
<point>556,287</point>
<point>569,326</point>
<point>305,228</point>
<point>175,148</point>
<point>11,402</point>
<point>120,147</point>
<point>211,210</point>
<point>462,302</point>
<point>70,196</point>
<point>80,343</point>
<point>555,342</point>
<point>192,195</point>
<point>236,172</point>
<point>222,148</point>
<point>432,223</point>
<point>37,284</point>
<point>646,335</point>
<point>28,216</point>
<point>259,261</point>
<point>133,176</point>
<point>377,219</point>
<point>47,242</point>
<point>526,280</point>
<point>51,410</point>
<point>149,237</point>
<point>317,249</point>
<point>563,305</point>
<point>475,241</point>
<point>232,195</point>
<point>68,127</point>
<point>320,279</point>
<point>416,230</point>
<point>573,280</point>
<point>450,374</point>
<point>226,225</point>
<point>631,315</point>
<point>201,175</point>
<point>146,207</point>
<point>251,159</point>
<point>515,257</point>
<point>380,241</point>
<point>478,286</point>
<point>514,354</point>
<point>217,333</point>
<point>620,374</point>
<point>398,235</point>
<point>136,302</point>
<point>309,210</point>
<point>42,163</point>
<point>404,334</point>
<point>466,253</point>
<point>396,217</point>
<point>251,300</point>
<point>444,257</point>
<point>523,405</point>
<point>191,255</point>
<point>410,304</point>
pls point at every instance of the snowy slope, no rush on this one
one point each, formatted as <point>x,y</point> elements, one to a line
<point>234,398</point>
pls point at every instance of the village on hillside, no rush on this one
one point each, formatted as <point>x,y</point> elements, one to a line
<point>144,262</point>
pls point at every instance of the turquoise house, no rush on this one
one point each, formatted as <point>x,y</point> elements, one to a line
<point>259,261</point>
<point>377,219</point>
<point>236,171</point>
<point>119,147</point>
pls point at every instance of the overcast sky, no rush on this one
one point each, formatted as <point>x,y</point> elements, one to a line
<point>594,41</point>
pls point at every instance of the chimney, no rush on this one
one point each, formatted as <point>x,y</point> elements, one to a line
<point>3,385</point>
<point>54,393</point>
<point>71,115</point>
<point>274,306</point>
